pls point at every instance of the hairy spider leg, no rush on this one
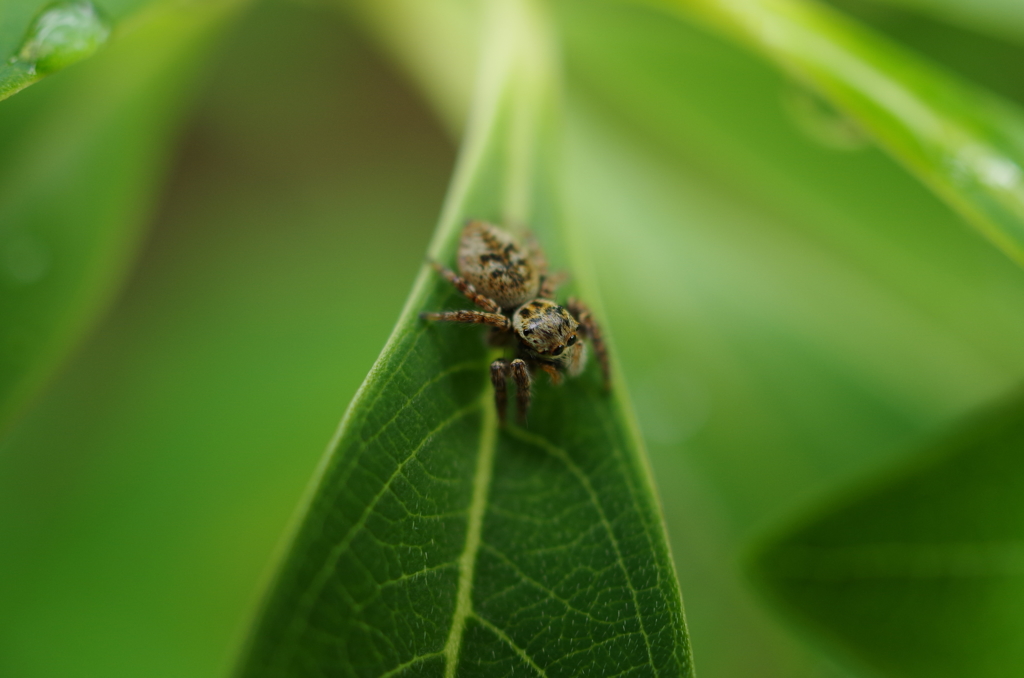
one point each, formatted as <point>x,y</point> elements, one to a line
<point>549,284</point>
<point>499,374</point>
<point>463,286</point>
<point>521,376</point>
<point>473,317</point>
<point>592,331</point>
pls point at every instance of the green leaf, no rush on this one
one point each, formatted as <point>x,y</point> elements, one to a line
<point>791,313</point>
<point>81,158</point>
<point>970,48</point>
<point>965,144</point>
<point>41,37</point>
<point>997,17</point>
<point>920,574</point>
<point>436,544</point>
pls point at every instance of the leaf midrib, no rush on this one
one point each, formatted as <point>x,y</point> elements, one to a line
<point>467,560</point>
<point>477,509</point>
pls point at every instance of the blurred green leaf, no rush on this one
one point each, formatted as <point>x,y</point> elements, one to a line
<point>436,543</point>
<point>996,17</point>
<point>886,74</point>
<point>81,159</point>
<point>921,573</point>
<point>967,145</point>
<point>961,47</point>
<point>437,43</point>
<point>41,37</point>
<point>791,315</point>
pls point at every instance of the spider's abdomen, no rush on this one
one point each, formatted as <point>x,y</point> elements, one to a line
<point>494,263</point>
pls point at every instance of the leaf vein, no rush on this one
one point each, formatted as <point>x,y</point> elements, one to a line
<point>563,456</point>
<point>533,582</point>
<point>508,641</point>
<point>346,472</point>
<point>309,597</point>
<point>412,662</point>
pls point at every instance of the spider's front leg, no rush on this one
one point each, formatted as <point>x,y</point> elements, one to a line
<point>472,317</point>
<point>467,290</point>
<point>521,376</point>
<point>592,331</point>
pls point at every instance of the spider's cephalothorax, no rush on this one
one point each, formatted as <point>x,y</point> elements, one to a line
<point>512,287</point>
<point>549,334</point>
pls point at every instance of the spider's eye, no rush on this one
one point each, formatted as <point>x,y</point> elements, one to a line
<point>572,340</point>
<point>558,351</point>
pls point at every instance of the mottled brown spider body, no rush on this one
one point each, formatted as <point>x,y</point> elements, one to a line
<point>493,263</point>
<point>512,287</point>
<point>548,333</point>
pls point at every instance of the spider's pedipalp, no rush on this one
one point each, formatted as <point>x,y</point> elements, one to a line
<point>551,370</point>
<point>521,376</point>
<point>499,374</point>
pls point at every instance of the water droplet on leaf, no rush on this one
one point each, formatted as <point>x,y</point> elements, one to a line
<point>63,34</point>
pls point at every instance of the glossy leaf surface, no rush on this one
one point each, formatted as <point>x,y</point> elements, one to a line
<point>965,144</point>
<point>921,575</point>
<point>437,544</point>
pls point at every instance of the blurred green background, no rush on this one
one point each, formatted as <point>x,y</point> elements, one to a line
<point>142,496</point>
<point>791,309</point>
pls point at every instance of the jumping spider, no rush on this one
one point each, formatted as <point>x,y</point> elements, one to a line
<point>512,287</point>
